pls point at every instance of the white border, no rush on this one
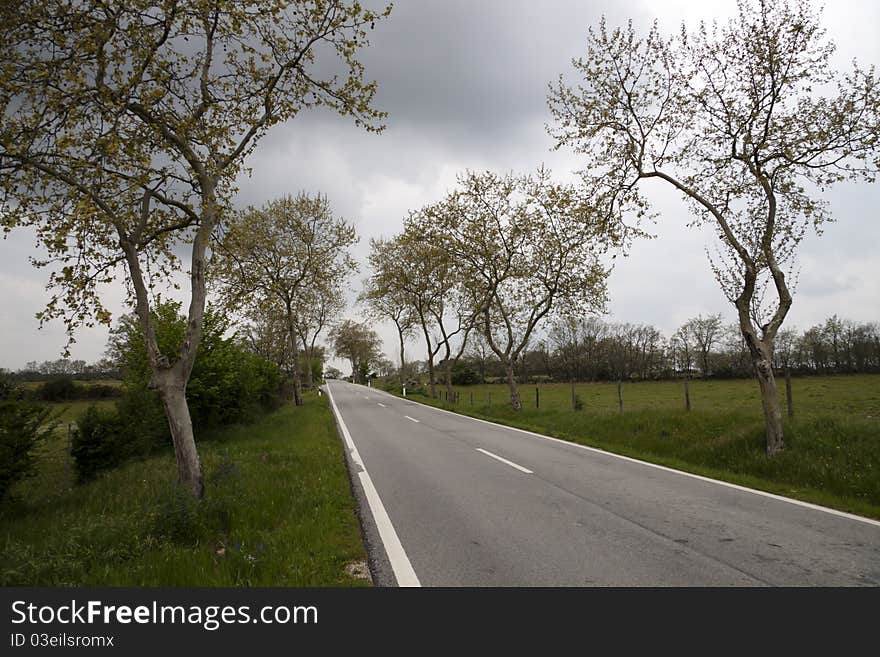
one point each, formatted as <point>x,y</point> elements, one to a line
<point>403,570</point>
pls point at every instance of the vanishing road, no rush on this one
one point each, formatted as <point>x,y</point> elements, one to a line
<point>460,502</point>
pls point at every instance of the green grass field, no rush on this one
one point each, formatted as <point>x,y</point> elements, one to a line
<point>278,511</point>
<point>832,454</point>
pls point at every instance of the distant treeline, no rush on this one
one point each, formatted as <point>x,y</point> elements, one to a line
<point>593,350</point>
<point>104,369</point>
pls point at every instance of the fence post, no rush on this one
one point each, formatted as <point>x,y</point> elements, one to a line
<point>573,405</point>
<point>490,399</point>
<point>472,397</point>
<point>687,395</point>
<point>537,398</point>
<point>788,397</point>
<point>620,395</point>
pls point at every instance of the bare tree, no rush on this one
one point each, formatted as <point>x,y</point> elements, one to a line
<point>731,116</point>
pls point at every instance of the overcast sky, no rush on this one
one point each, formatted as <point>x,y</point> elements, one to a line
<point>464,83</point>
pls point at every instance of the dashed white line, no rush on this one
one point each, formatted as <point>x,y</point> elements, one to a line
<point>411,419</point>
<point>381,404</point>
<point>503,460</point>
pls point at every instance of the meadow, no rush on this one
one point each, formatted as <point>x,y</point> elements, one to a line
<point>278,511</point>
<point>832,453</point>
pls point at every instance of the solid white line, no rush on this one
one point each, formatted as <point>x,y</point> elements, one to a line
<point>381,404</point>
<point>411,419</point>
<point>503,460</point>
<point>781,498</point>
<point>400,564</point>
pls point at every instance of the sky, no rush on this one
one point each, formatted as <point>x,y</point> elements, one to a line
<point>464,83</point>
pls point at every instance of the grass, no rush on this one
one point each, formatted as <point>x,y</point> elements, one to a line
<point>832,454</point>
<point>278,511</point>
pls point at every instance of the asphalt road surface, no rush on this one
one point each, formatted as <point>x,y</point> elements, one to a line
<point>460,502</point>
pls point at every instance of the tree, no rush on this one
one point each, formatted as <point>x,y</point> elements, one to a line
<point>524,248</point>
<point>418,272</point>
<point>360,345</point>
<point>385,296</point>
<point>125,125</point>
<point>732,116</point>
<point>318,306</point>
<point>290,255</point>
<point>699,334</point>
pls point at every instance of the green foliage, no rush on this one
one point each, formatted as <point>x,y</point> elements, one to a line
<point>60,389</point>
<point>9,389</point>
<point>22,428</point>
<point>464,375</point>
<point>278,511</point>
<point>228,383</point>
<point>100,442</point>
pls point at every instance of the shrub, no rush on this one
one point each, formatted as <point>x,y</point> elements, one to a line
<point>228,383</point>
<point>60,389</point>
<point>22,427</point>
<point>464,375</point>
<point>100,442</point>
<point>9,389</point>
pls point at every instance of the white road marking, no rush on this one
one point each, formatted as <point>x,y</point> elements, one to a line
<point>400,563</point>
<point>726,484</point>
<point>381,404</point>
<point>411,419</point>
<point>503,460</point>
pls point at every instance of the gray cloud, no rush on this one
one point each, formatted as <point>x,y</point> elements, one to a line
<point>464,83</point>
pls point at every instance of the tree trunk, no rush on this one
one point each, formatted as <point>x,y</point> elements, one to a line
<point>309,381</point>
<point>294,352</point>
<point>770,403</point>
<point>297,377</point>
<point>432,381</point>
<point>402,359</point>
<point>172,391</point>
<point>515,400</point>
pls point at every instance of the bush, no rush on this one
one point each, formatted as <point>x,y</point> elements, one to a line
<point>9,389</point>
<point>100,442</point>
<point>228,383</point>
<point>22,427</point>
<point>464,375</point>
<point>60,389</point>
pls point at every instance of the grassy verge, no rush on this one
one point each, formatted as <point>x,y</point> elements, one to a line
<point>278,511</point>
<point>832,454</point>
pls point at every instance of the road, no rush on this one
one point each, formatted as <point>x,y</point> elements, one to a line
<point>460,502</point>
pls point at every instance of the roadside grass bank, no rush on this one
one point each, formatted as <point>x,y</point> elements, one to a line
<point>278,512</point>
<point>832,454</point>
